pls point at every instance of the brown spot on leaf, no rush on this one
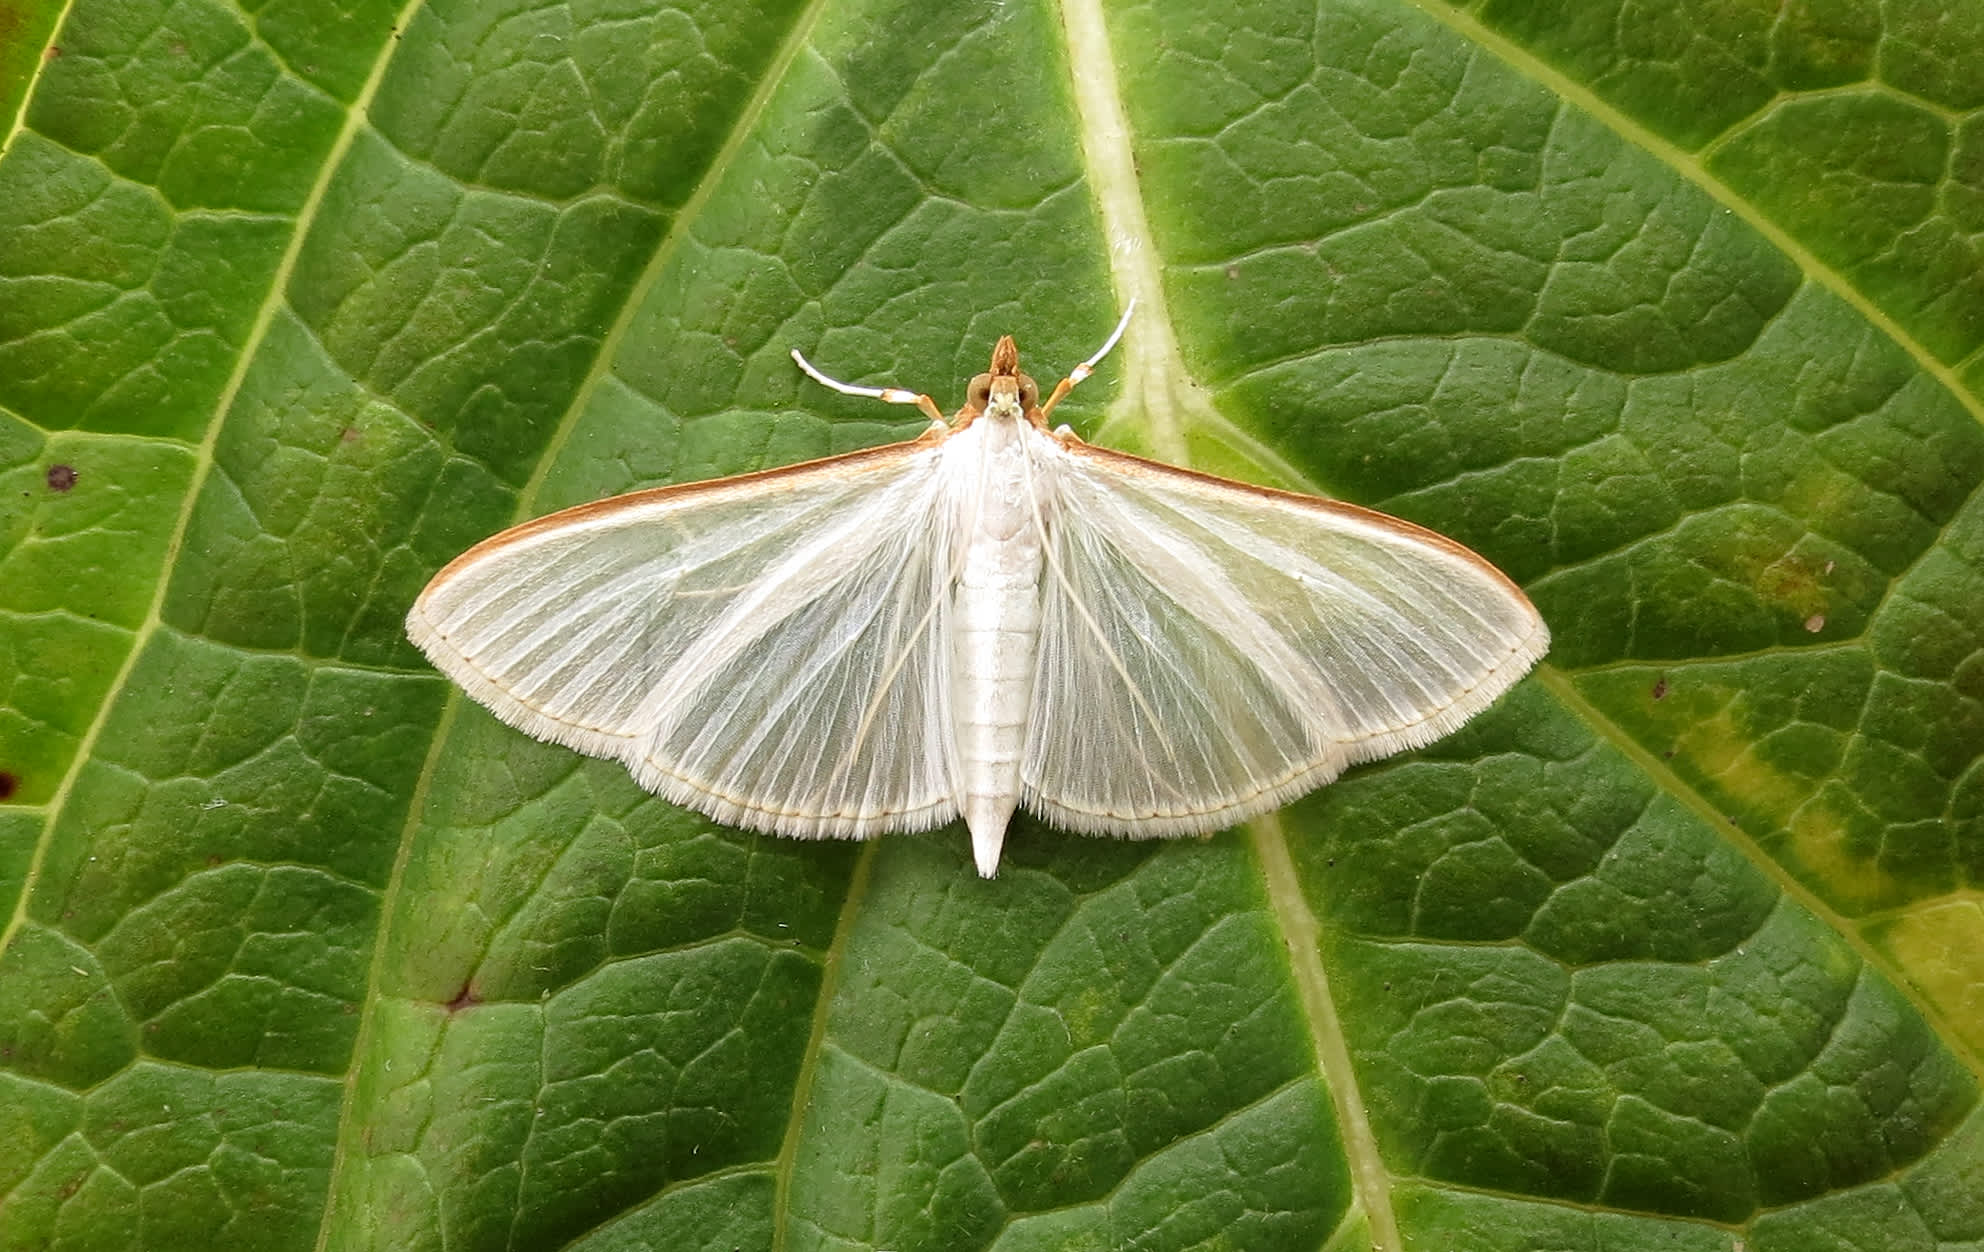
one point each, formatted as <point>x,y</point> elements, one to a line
<point>1660,687</point>
<point>1815,623</point>
<point>1793,581</point>
<point>464,999</point>
<point>9,784</point>
<point>349,434</point>
<point>61,477</point>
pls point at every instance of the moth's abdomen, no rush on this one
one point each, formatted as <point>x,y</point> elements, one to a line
<point>997,629</point>
<point>995,632</point>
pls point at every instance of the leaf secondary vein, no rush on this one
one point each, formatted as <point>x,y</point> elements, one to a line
<point>830,970</point>
<point>671,242</point>
<point>1664,776</point>
<point>203,466</point>
<point>526,505</point>
<point>1689,167</point>
<point>19,122</point>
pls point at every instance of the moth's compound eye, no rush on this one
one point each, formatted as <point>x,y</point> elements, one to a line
<point>980,393</point>
<point>1029,393</point>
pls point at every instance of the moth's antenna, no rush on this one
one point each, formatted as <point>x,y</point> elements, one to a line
<point>1066,385</point>
<point>887,395</point>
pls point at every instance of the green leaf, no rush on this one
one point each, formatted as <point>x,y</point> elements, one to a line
<point>1674,311</point>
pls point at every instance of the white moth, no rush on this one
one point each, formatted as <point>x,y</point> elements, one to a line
<point>987,616</point>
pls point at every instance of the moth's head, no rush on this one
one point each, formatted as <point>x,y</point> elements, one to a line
<point>1003,391</point>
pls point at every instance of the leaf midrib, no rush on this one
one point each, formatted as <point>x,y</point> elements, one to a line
<point>1159,394</point>
<point>830,971</point>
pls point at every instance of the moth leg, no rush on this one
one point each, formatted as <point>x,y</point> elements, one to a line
<point>1066,385</point>
<point>887,395</point>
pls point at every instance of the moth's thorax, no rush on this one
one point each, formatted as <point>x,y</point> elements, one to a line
<point>991,479</point>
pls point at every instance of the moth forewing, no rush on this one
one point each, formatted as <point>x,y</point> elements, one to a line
<point>1242,645</point>
<point>711,635</point>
